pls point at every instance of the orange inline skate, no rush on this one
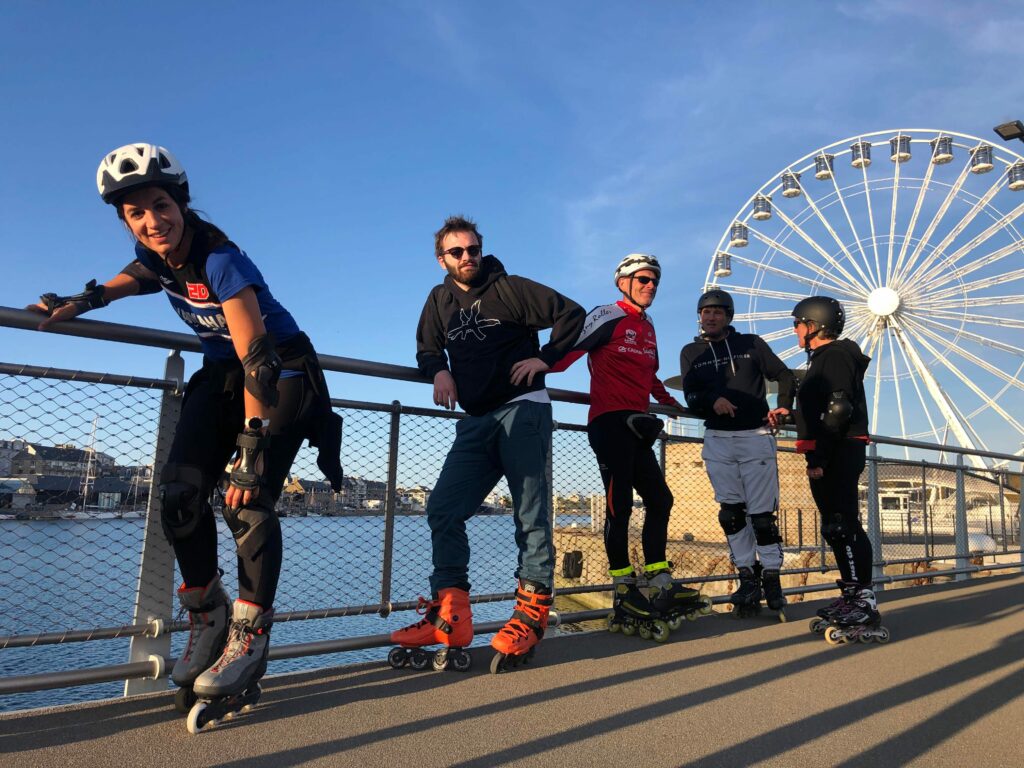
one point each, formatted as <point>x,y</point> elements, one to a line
<point>516,642</point>
<point>447,620</point>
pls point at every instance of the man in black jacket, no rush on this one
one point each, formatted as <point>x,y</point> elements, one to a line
<point>477,341</point>
<point>723,379</point>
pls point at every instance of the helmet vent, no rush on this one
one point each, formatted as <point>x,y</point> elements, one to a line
<point>127,166</point>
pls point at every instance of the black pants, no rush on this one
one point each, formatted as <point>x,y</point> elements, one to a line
<point>626,463</point>
<point>836,495</point>
<point>205,438</point>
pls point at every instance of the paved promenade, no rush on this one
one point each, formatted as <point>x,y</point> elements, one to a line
<point>947,691</point>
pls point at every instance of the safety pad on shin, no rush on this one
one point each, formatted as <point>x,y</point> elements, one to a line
<point>732,517</point>
<point>183,500</point>
<point>251,526</point>
<point>837,532</point>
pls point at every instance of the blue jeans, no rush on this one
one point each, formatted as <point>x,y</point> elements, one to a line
<point>515,441</point>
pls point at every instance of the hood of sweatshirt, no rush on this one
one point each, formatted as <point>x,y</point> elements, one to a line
<point>849,347</point>
<point>490,270</point>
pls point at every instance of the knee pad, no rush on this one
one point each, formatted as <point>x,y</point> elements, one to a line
<point>766,530</point>
<point>183,502</point>
<point>837,532</point>
<point>250,526</point>
<point>732,517</point>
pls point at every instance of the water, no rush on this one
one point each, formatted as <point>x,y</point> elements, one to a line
<point>77,574</point>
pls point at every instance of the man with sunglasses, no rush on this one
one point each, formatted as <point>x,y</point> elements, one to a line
<point>723,376</point>
<point>622,354</point>
<point>477,341</point>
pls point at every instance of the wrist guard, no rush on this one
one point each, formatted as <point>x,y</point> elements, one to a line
<point>262,370</point>
<point>90,298</point>
<point>251,444</point>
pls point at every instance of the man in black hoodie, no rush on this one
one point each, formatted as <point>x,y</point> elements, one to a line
<point>723,376</point>
<point>477,341</point>
<point>832,433</point>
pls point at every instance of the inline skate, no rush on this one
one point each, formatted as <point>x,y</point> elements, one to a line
<point>517,641</point>
<point>632,612</point>
<point>447,620</point>
<point>826,615</point>
<point>672,601</point>
<point>772,587</point>
<point>746,600</point>
<point>231,686</point>
<point>207,609</point>
<point>859,621</point>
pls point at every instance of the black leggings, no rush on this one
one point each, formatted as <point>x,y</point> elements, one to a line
<point>205,438</point>
<point>836,495</point>
<point>626,464</point>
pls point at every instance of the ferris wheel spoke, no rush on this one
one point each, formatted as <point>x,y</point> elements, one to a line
<point>951,196</point>
<point>970,357</point>
<point>871,223</point>
<point>801,260</point>
<point>935,279</point>
<point>986,341</point>
<point>880,355</point>
<point>978,285</point>
<point>753,317</point>
<point>790,353</point>
<point>921,192</point>
<point>764,293</point>
<point>814,283</point>
<point>899,396</point>
<point>986,399</point>
<point>777,335</point>
<point>984,320</point>
<point>892,222</point>
<point>920,395</point>
<point>867,281</point>
<point>850,279</point>
<point>971,301</point>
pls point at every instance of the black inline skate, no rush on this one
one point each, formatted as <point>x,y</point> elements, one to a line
<point>858,621</point>
<point>208,611</point>
<point>826,616</point>
<point>746,599</point>
<point>675,602</point>
<point>632,613</point>
<point>772,587</point>
<point>231,686</point>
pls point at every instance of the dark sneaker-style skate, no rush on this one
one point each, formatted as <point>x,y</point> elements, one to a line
<point>207,609</point>
<point>632,612</point>
<point>859,621</point>
<point>826,615</point>
<point>231,685</point>
<point>746,599</point>
<point>771,584</point>
<point>517,641</point>
<point>447,620</point>
<point>675,602</point>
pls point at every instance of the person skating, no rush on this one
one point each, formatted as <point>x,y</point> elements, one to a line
<point>258,395</point>
<point>622,350</point>
<point>832,433</point>
<point>723,375</point>
<point>477,341</point>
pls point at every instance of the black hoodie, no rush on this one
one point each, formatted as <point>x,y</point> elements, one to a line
<point>836,368</point>
<point>489,328</point>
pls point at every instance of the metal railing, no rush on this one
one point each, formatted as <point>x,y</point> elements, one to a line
<point>83,558</point>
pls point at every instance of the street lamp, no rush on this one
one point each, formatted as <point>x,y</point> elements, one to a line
<point>1010,131</point>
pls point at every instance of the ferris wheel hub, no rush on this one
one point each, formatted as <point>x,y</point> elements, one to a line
<point>883,301</point>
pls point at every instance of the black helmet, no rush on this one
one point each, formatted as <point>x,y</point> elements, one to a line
<point>824,311</point>
<point>137,165</point>
<point>716,297</point>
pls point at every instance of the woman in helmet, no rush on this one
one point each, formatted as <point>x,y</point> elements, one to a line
<point>260,391</point>
<point>623,358</point>
<point>832,433</point>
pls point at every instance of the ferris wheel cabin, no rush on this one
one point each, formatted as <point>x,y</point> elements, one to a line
<point>981,158</point>
<point>899,148</point>
<point>860,154</point>
<point>942,150</point>
<point>762,208</point>
<point>823,166</point>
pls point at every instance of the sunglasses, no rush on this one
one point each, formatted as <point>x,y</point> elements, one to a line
<point>644,280</point>
<point>457,251</point>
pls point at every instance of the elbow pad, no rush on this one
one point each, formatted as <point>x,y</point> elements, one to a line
<point>262,370</point>
<point>141,275</point>
<point>838,413</point>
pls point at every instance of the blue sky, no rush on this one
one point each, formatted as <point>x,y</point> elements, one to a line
<point>331,139</point>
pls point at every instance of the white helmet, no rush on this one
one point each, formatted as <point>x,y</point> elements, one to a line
<point>137,165</point>
<point>636,262</point>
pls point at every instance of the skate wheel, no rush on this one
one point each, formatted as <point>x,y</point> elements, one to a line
<point>247,708</point>
<point>833,636</point>
<point>675,623</point>
<point>461,661</point>
<point>882,635</point>
<point>629,630</point>
<point>440,660</point>
<point>817,626</point>
<point>659,631</point>
<point>184,699</point>
<point>420,660</point>
<point>782,616</point>
<point>706,606</point>
<point>692,615</point>
<point>398,658</point>
<point>498,663</point>
<point>645,632</point>
<point>613,625</point>
<point>197,718</point>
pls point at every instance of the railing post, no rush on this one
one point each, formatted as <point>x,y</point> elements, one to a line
<point>155,593</point>
<point>389,508</point>
<point>924,509</point>
<point>874,523</point>
<point>1002,510</point>
<point>960,521</point>
<point>1020,517</point>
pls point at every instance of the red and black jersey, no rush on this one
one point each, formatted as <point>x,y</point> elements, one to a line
<point>623,360</point>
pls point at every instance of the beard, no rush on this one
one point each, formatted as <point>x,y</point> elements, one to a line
<point>470,274</point>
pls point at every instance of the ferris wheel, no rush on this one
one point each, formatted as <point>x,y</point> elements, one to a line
<point>921,245</point>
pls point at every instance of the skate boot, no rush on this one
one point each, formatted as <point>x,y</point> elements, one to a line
<point>207,609</point>
<point>231,685</point>
<point>772,587</point>
<point>826,615</point>
<point>859,621</point>
<point>632,612</point>
<point>673,601</point>
<point>746,599</point>
<point>517,641</point>
<point>447,620</point>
